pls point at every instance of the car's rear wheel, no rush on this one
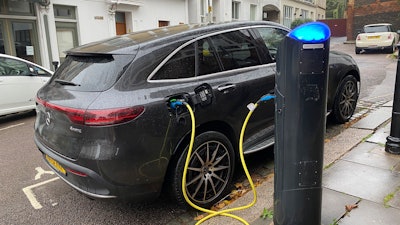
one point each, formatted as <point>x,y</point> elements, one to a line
<point>345,100</point>
<point>391,48</point>
<point>210,171</point>
<point>358,50</point>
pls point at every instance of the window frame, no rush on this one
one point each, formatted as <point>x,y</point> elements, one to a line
<point>249,28</point>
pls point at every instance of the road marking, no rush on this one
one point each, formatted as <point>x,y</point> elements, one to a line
<point>41,171</point>
<point>12,126</point>
<point>31,196</point>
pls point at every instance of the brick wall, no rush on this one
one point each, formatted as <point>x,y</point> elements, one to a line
<point>337,27</point>
<point>375,11</point>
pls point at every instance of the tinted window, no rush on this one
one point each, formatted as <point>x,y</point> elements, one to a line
<point>207,60</point>
<point>236,49</point>
<point>12,67</point>
<point>92,73</point>
<point>209,55</point>
<point>272,37</point>
<point>181,65</point>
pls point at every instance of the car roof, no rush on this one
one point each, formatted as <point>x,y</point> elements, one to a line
<point>378,24</point>
<point>129,43</point>
<point>25,61</point>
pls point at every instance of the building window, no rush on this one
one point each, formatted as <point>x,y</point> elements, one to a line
<point>287,15</point>
<point>304,14</point>
<point>64,12</point>
<point>66,29</point>
<point>235,10</point>
<point>17,7</point>
<point>253,12</point>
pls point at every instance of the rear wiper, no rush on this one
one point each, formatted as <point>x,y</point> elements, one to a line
<point>65,82</point>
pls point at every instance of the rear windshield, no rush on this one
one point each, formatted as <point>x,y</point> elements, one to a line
<point>375,29</point>
<point>91,73</point>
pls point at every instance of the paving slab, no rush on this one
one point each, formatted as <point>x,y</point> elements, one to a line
<point>388,104</point>
<point>373,155</point>
<point>380,135</point>
<point>342,143</point>
<point>333,205</point>
<point>371,213</point>
<point>366,182</point>
<point>374,119</point>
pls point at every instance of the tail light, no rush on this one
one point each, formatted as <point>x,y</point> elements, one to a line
<point>96,117</point>
<point>358,38</point>
<point>390,36</point>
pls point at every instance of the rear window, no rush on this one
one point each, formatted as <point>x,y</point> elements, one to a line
<point>375,29</point>
<point>91,73</point>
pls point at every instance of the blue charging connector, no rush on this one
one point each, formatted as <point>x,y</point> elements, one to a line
<point>174,103</point>
<point>267,97</point>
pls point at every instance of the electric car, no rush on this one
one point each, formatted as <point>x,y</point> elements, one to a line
<point>106,127</point>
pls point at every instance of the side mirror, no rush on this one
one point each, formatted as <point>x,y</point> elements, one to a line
<point>398,31</point>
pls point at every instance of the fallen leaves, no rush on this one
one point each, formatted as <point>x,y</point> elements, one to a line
<point>350,207</point>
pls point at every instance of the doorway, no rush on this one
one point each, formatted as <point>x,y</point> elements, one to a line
<point>120,23</point>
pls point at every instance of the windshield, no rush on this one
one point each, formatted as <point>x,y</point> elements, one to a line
<point>92,72</point>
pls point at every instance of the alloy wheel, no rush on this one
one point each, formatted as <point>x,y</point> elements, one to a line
<point>209,171</point>
<point>348,99</point>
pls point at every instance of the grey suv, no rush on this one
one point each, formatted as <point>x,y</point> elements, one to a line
<point>104,125</point>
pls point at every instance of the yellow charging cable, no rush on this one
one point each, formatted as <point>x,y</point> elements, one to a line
<point>226,212</point>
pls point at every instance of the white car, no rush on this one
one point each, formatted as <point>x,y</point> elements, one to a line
<point>379,36</point>
<point>19,82</point>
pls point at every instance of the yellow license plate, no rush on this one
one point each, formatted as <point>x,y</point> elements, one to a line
<point>374,37</point>
<point>56,165</point>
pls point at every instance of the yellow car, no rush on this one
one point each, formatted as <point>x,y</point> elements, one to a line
<point>379,36</point>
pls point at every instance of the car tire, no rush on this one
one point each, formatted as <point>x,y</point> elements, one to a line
<point>210,172</point>
<point>391,48</point>
<point>358,50</point>
<point>345,100</point>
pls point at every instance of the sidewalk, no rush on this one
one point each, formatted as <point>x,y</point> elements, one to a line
<point>358,173</point>
<point>366,177</point>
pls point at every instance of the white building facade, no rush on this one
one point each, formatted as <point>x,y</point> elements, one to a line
<point>42,30</point>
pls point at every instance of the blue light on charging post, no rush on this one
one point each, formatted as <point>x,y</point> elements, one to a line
<point>311,33</point>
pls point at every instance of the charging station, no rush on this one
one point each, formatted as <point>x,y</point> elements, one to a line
<point>300,120</point>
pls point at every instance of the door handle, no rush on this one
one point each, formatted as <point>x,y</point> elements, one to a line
<point>226,88</point>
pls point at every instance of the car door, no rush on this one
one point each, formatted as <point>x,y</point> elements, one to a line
<point>19,82</point>
<point>244,78</point>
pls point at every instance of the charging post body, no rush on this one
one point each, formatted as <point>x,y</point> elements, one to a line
<point>300,118</point>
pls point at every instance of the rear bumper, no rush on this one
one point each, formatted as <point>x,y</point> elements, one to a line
<point>374,45</point>
<point>92,184</point>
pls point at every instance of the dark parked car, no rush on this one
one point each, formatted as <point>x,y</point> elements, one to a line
<point>104,125</point>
